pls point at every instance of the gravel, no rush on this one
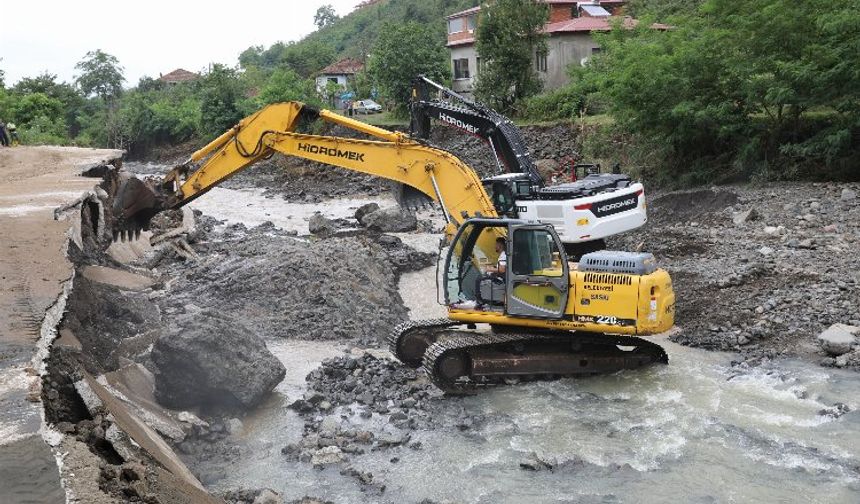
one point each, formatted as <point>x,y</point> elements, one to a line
<point>767,286</point>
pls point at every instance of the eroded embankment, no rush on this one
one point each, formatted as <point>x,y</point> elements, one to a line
<point>185,326</point>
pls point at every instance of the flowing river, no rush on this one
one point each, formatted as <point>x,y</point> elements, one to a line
<point>699,430</point>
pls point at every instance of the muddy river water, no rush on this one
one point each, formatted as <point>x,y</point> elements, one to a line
<point>698,430</point>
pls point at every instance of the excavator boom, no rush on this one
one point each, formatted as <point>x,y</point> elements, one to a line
<point>435,173</point>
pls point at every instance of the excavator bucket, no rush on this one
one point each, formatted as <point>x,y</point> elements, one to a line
<point>409,198</point>
<point>135,203</point>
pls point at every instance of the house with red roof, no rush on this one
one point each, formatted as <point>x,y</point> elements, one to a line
<point>178,76</point>
<point>569,29</point>
<point>339,72</point>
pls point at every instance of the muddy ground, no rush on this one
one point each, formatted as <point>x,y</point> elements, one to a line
<point>758,270</point>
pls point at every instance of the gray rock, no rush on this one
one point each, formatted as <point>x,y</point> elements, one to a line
<point>327,456</point>
<point>268,496</point>
<point>329,423</point>
<point>320,225</point>
<point>234,426</point>
<point>848,194</point>
<point>364,210</point>
<point>747,215</point>
<point>838,338</point>
<point>390,220</point>
<point>209,360</point>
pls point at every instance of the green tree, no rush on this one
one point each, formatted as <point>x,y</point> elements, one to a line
<point>251,57</point>
<point>510,35</point>
<point>101,75</point>
<point>220,97</point>
<point>308,58</point>
<point>147,83</point>
<point>287,85</point>
<point>46,84</point>
<point>33,106</point>
<point>401,52</point>
<point>325,16</point>
<point>740,88</point>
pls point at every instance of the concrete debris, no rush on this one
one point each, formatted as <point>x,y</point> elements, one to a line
<point>848,194</point>
<point>210,360</point>
<point>97,171</point>
<point>339,288</point>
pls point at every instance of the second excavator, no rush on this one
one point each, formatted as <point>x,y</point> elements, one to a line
<point>516,306</point>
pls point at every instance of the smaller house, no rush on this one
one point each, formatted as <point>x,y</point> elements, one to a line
<point>178,76</point>
<point>340,73</point>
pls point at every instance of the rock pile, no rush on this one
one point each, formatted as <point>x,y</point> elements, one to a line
<point>339,288</point>
<point>763,271</point>
<point>381,385</point>
<point>355,405</point>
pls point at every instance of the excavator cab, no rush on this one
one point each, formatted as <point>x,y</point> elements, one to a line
<point>504,190</point>
<point>536,277</point>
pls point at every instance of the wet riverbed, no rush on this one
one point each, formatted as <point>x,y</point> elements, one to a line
<point>698,430</point>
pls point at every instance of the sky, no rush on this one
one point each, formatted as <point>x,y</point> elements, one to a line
<point>149,37</point>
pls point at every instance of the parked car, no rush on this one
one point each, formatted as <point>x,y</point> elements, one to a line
<point>366,107</point>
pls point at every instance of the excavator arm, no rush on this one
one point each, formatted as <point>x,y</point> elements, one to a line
<point>395,156</point>
<point>506,142</point>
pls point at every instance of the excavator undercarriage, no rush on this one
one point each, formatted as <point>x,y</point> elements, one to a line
<point>460,360</point>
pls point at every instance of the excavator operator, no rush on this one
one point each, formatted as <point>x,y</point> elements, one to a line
<point>490,286</point>
<point>502,262</point>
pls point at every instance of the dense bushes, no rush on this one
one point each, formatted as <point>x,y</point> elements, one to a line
<point>733,90</point>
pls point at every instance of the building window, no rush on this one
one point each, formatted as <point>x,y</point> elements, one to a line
<point>478,65</point>
<point>595,50</point>
<point>461,68</point>
<point>472,23</point>
<point>333,80</point>
<point>540,60</point>
<point>455,25</point>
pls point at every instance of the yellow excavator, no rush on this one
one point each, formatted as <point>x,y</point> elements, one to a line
<point>517,308</point>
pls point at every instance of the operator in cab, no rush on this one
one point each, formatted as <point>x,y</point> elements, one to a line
<point>502,262</point>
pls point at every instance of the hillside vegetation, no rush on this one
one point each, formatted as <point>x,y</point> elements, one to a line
<point>759,89</point>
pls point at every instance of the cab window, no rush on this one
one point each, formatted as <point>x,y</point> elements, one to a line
<point>535,253</point>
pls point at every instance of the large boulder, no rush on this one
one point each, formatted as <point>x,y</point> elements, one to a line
<point>838,339</point>
<point>210,361</point>
<point>390,220</point>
